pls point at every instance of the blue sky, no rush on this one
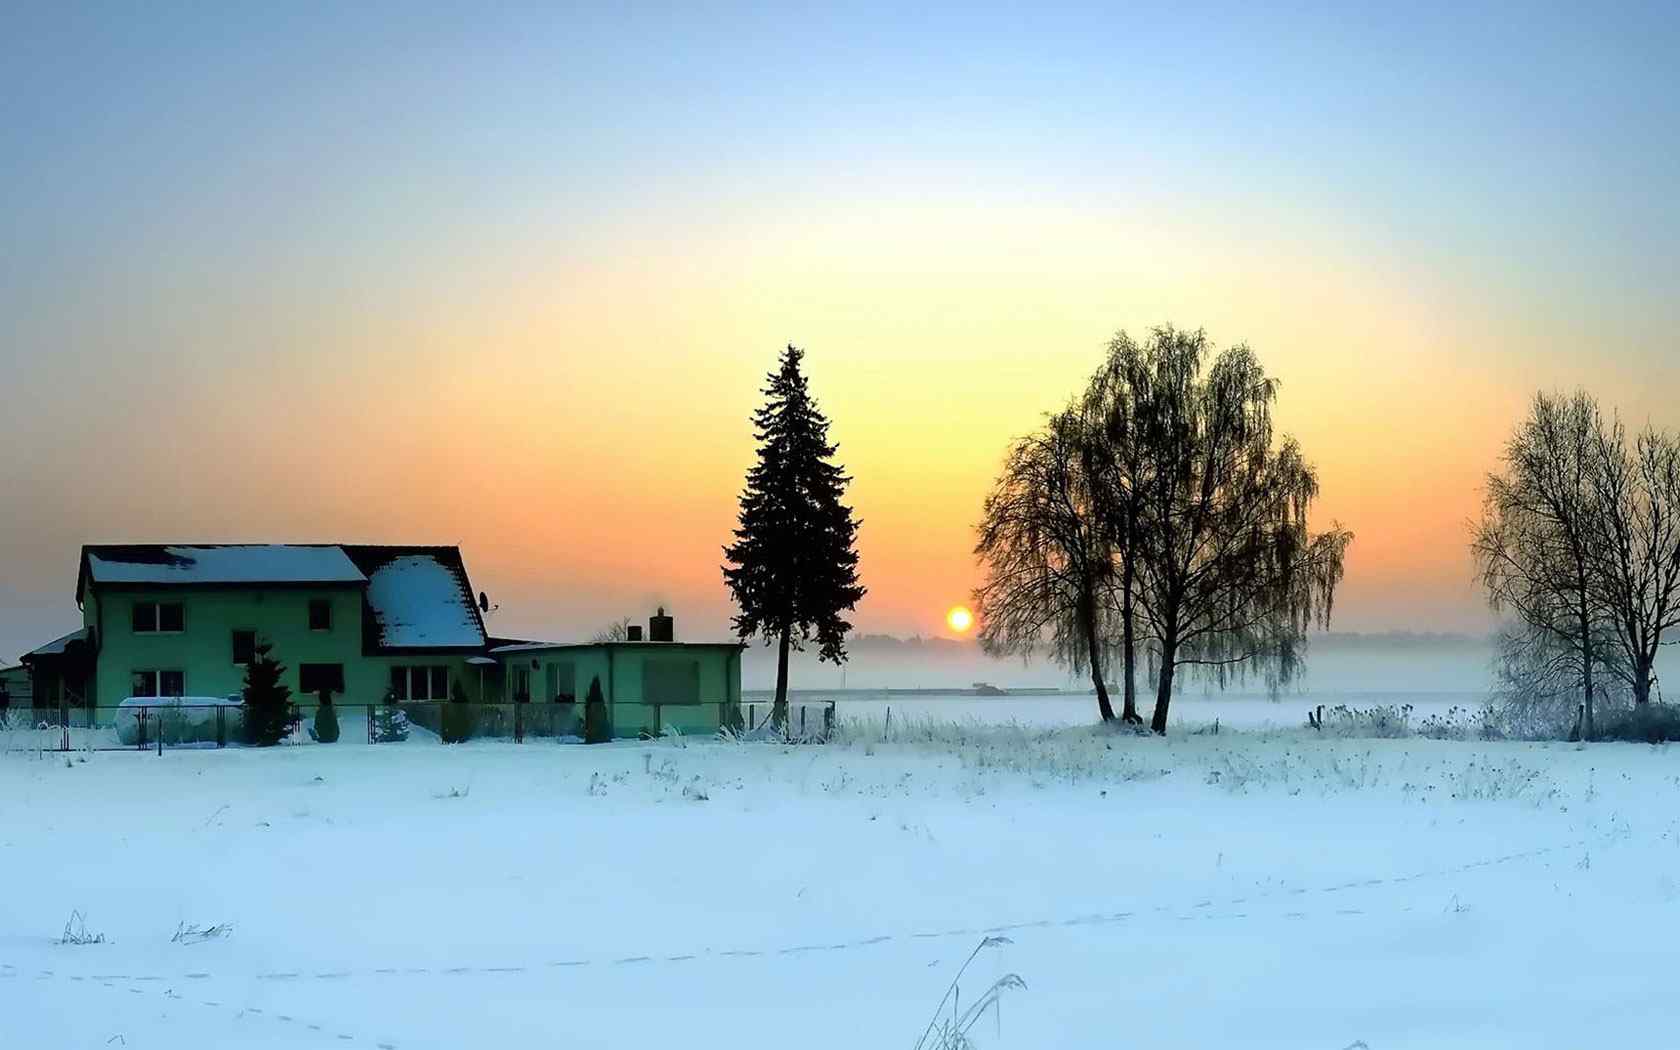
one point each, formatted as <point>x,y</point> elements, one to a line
<point>235,223</point>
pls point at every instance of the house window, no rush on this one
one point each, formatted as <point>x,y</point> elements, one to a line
<point>312,678</point>
<point>521,684</point>
<point>420,683</point>
<point>158,683</point>
<point>562,682</point>
<point>159,618</point>
<point>244,646</point>
<point>320,614</point>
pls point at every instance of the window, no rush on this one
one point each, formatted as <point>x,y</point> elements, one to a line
<point>320,614</point>
<point>562,683</point>
<point>521,684</point>
<point>159,618</point>
<point>244,646</point>
<point>312,678</point>
<point>158,683</point>
<point>420,683</point>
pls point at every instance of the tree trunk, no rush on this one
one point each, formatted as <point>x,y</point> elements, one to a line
<point>1163,692</point>
<point>779,711</point>
<point>1587,731</point>
<point>1642,682</point>
<point>1088,615</point>
<point>1128,650</point>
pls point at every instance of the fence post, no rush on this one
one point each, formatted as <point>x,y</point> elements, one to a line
<point>802,710</point>
<point>160,737</point>
<point>221,726</point>
<point>828,721</point>
<point>141,728</point>
<point>370,723</point>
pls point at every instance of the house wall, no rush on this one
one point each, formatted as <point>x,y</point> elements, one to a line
<point>621,669</point>
<point>18,687</point>
<point>280,616</point>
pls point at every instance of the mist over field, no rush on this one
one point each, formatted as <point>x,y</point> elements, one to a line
<point>1336,663</point>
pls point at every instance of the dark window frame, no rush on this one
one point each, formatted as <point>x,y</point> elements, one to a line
<point>237,632</point>
<point>148,617</point>
<point>323,621</point>
<point>157,686</point>
<point>308,675</point>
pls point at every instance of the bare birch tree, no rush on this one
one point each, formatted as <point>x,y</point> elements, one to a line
<point>1231,577</point>
<point>1534,546</point>
<point>1635,554</point>
<point>1046,559</point>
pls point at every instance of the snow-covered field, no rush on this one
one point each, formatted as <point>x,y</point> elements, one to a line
<point>1256,888</point>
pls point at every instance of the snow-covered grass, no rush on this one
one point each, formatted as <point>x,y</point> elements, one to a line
<point>1273,888</point>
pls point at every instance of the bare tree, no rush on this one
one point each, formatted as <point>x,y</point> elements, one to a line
<point>1635,553</point>
<point>1534,545</point>
<point>1231,577</point>
<point>1117,403</point>
<point>1047,561</point>
<point>616,631</point>
<point>1537,682</point>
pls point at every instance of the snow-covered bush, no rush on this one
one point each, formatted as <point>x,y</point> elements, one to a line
<point>1384,721</point>
<point>1652,723</point>
<point>390,724</point>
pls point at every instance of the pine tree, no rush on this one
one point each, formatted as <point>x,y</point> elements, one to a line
<point>597,728</point>
<point>325,729</point>
<point>794,559</point>
<point>390,722</point>
<point>268,709</point>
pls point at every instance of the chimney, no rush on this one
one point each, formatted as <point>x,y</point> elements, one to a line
<point>661,628</point>
<point>633,632</point>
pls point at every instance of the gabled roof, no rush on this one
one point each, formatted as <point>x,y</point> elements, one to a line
<point>418,598</point>
<point>57,646</point>
<point>230,563</point>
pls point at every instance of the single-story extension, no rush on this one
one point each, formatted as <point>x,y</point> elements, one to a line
<point>369,624</point>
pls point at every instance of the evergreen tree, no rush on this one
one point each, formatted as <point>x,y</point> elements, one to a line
<point>390,722</point>
<point>793,568</point>
<point>325,729</point>
<point>268,710</point>
<point>597,728</point>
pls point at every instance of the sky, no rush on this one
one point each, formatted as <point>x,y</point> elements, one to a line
<point>513,279</point>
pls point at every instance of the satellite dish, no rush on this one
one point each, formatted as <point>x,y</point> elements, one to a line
<point>483,602</point>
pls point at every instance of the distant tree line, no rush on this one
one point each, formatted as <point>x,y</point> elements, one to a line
<point>1158,522</point>
<point>1579,544</point>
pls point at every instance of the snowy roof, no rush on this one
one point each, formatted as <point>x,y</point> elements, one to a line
<point>531,647</point>
<point>419,598</point>
<point>57,645</point>
<point>220,563</point>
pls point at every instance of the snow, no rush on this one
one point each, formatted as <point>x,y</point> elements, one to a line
<point>57,645</point>
<point>1302,890</point>
<point>234,563</point>
<point>418,602</point>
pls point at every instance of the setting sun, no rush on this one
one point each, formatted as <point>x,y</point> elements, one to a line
<point>959,619</point>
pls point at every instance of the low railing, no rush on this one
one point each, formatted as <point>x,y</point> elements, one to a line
<point>169,725</point>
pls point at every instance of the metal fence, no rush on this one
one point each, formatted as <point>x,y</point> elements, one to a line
<point>174,726</point>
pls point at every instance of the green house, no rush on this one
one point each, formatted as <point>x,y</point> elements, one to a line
<point>368,624</point>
